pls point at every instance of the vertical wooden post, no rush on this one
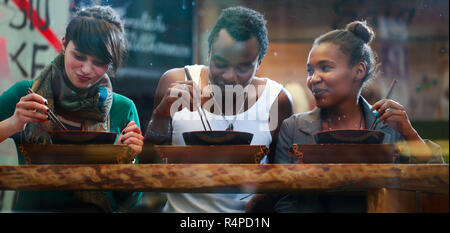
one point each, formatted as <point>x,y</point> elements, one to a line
<point>396,201</point>
<point>433,203</point>
<point>391,201</point>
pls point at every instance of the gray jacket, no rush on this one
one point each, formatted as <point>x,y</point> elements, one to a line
<point>300,129</point>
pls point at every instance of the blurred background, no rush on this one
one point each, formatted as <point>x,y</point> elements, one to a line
<point>412,43</point>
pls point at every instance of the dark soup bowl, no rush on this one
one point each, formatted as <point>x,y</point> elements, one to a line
<point>217,138</point>
<point>349,136</point>
<point>82,137</point>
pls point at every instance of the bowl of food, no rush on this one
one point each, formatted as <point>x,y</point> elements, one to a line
<point>217,138</point>
<point>349,136</point>
<point>77,154</point>
<point>82,137</point>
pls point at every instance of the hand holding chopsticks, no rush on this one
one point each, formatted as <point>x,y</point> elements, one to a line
<point>175,92</point>
<point>51,115</point>
<point>376,120</point>
<point>393,114</point>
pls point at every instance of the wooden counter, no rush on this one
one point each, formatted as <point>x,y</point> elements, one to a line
<point>226,177</point>
<point>377,179</point>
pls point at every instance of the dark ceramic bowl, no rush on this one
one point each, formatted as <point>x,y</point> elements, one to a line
<point>217,138</point>
<point>349,136</point>
<point>82,137</point>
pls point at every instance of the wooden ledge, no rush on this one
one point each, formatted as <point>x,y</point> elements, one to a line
<point>432,178</point>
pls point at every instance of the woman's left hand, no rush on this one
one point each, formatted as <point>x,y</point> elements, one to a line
<point>394,115</point>
<point>132,136</point>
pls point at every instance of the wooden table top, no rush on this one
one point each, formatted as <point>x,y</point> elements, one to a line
<point>226,177</point>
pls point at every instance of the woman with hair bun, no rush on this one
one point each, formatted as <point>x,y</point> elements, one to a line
<point>339,64</point>
<point>76,86</point>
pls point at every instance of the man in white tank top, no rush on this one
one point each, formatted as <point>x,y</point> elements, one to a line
<point>237,44</point>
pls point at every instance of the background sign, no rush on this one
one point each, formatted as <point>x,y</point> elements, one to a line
<point>159,36</point>
<point>30,33</point>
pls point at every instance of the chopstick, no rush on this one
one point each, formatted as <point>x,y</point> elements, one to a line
<point>51,115</point>
<point>375,123</point>
<point>199,109</point>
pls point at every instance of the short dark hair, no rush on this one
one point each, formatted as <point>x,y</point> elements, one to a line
<point>354,41</point>
<point>98,31</point>
<point>242,23</point>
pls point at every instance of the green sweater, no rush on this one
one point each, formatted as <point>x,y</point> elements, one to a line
<point>122,112</point>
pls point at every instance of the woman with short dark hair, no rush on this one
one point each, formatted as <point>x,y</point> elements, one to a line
<point>77,88</point>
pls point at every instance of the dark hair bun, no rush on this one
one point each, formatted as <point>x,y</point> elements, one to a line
<point>361,30</point>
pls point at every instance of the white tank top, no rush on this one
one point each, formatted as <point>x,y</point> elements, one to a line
<point>255,120</point>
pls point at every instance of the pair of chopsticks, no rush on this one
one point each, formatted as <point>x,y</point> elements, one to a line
<point>199,109</point>
<point>51,115</point>
<point>375,123</point>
